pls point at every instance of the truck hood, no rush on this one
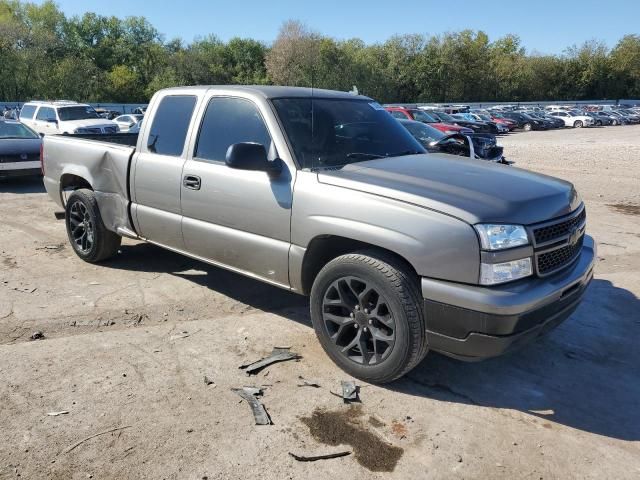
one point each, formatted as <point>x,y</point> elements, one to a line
<point>474,191</point>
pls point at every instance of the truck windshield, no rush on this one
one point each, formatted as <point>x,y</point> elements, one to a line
<point>327,133</point>
<point>77,113</point>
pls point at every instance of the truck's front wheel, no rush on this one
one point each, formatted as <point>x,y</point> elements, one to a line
<point>366,311</point>
<point>88,236</point>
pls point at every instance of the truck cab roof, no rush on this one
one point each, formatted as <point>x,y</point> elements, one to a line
<point>268,91</point>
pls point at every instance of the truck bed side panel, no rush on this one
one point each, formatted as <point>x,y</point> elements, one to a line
<point>102,165</point>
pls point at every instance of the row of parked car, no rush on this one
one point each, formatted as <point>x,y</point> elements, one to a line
<point>21,131</point>
<point>472,132</point>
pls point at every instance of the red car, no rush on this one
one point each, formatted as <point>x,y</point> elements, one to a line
<point>510,124</point>
<point>424,117</point>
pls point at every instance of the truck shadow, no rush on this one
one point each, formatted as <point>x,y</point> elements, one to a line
<point>30,184</point>
<point>145,257</point>
<point>584,375</point>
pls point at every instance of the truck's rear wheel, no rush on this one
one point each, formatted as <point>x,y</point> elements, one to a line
<point>366,311</point>
<point>87,234</point>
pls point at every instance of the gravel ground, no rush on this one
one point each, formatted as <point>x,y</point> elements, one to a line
<point>127,345</point>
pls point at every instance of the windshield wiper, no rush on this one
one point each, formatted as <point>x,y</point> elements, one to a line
<point>406,152</point>
<point>364,156</point>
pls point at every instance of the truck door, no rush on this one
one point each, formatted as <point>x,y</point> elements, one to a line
<point>46,121</point>
<point>239,219</point>
<point>156,174</point>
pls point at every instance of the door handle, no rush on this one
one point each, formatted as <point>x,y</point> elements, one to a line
<point>192,182</point>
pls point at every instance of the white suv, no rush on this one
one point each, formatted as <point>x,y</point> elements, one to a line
<point>65,117</point>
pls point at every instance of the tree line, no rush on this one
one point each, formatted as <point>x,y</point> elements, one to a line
<point>45,54</point>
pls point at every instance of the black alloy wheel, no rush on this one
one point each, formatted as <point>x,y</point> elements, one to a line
<point>81,229</point>
<point>358,320</point>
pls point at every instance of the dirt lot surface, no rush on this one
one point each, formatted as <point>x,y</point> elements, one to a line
<point>127,345</point>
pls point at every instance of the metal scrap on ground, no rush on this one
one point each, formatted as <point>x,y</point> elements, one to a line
<point>259,412</point>
<point>57,414</point>
<point>313,458</point>
<point>350,391</point>
<point>307,383</point>
<point>37,336</point>
<point>279,354</point>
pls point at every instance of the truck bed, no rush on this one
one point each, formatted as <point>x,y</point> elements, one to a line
<point>130,139</point>
<point>103,161</point>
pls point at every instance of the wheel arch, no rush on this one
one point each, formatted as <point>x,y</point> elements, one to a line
<point>73,181</point>
<point>324,248</point>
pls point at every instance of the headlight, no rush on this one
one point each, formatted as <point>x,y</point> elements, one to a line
<point>494,273</point>
<point>499,237</point>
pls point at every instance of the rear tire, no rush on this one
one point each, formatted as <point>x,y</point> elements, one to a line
<point>87,234</point>
<point>366,309</point>
<point>527,127</point>
<point>578,124</point>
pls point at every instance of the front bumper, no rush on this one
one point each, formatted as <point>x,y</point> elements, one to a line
<point>473,322</point>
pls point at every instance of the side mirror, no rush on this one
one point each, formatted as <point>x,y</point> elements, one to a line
<point>251,156</point>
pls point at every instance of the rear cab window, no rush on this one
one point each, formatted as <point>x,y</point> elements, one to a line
<point>171,124</point>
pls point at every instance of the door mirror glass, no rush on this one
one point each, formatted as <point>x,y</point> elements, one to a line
<point>251,156</point>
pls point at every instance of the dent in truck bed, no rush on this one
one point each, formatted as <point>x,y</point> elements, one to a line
<point>101,163</point>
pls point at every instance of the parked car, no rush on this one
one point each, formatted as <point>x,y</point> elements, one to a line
<point>108,114</point>
<point>65,117</point>
<point>498,117</point>
<point>620,119</point>
<point>139,111</point>
<point>424,117</point>
<point>607,118</point>
<point>136,128</point>
<point>549,122</point>
<point>573,118</point>
<point>481,146</point>
<point>526,122</point>
<point>477,126</point>
<point>19,149</point>
<point>599,120</point>
<point>632,116</point>
<point>483,118</point>
<point>325,194</point>
<point>125,122</point>
<point>473,126</point>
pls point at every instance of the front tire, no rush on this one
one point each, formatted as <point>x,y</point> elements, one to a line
<point>527,127</point>
<point>366,311</point>
<point>87,234</point>
<point>578,124</point>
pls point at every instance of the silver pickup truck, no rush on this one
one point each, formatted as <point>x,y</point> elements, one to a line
<point>325,194</point>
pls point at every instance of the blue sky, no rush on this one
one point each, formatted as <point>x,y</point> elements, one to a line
<point>544,26</point>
